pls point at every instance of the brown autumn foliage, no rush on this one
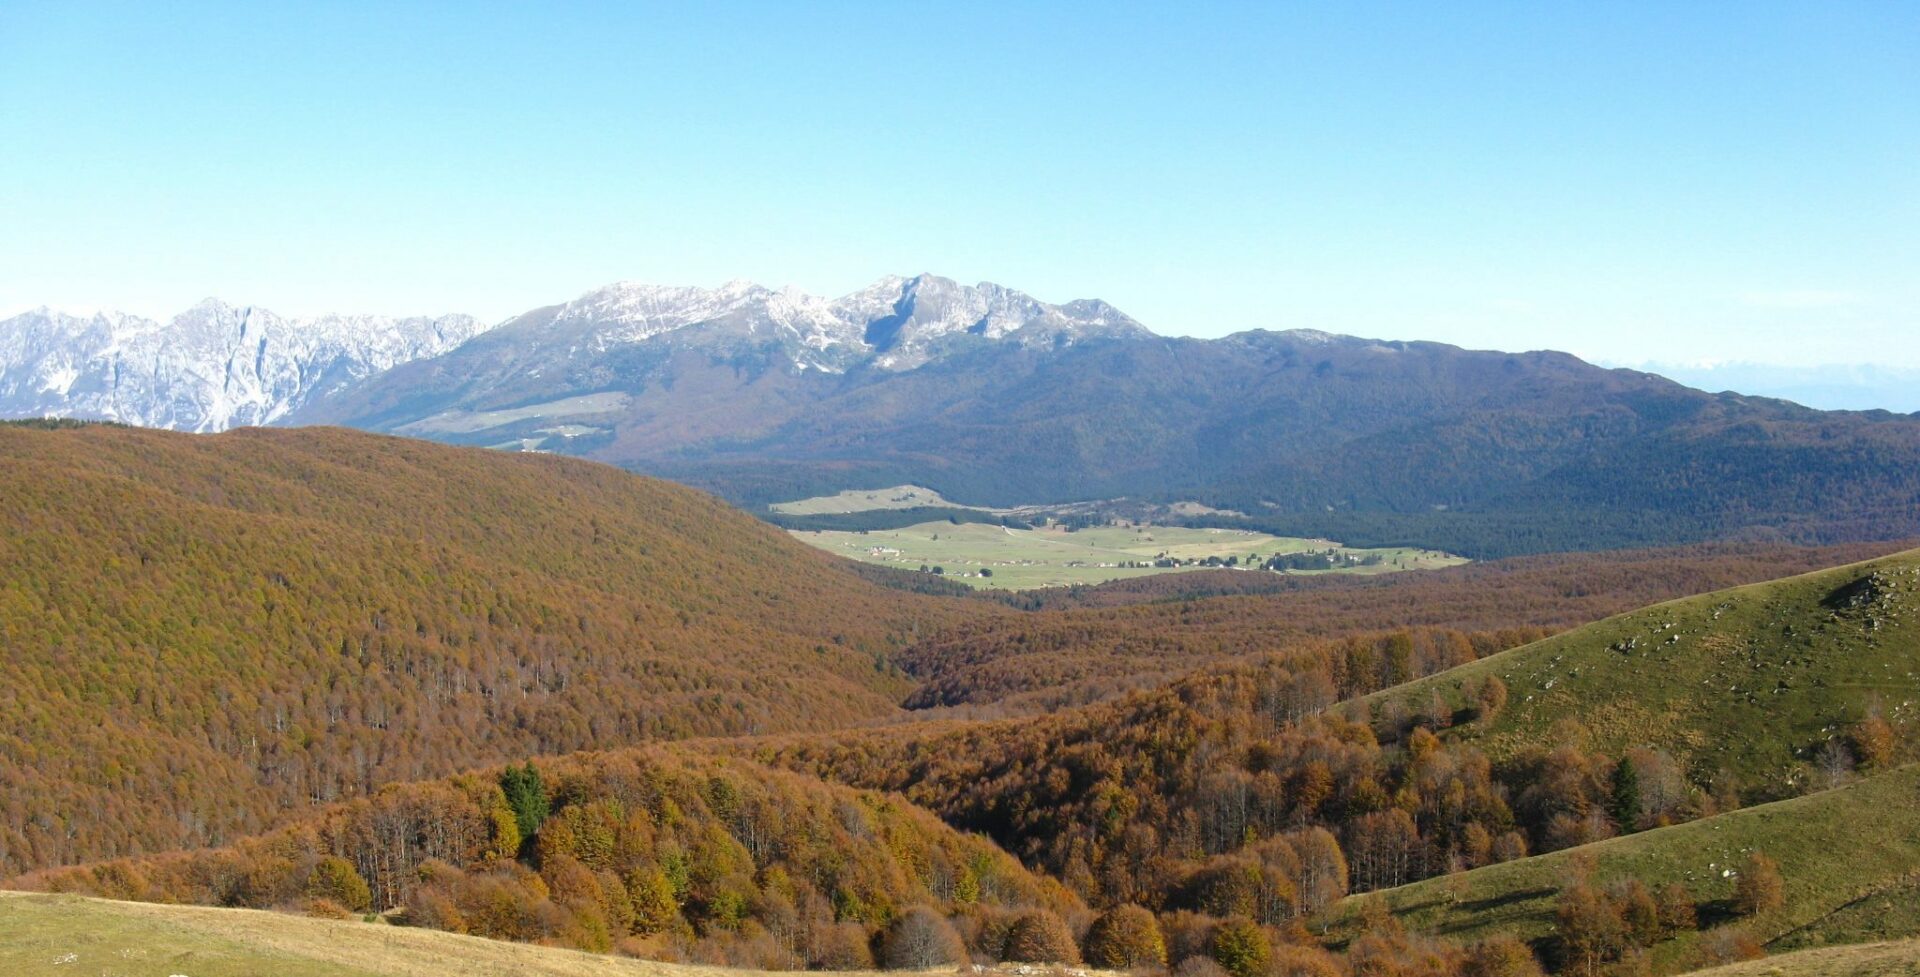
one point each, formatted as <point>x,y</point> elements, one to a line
<point>1758,888</point>
<point>643,849</point>
<point>1873,742</point>
<point>1126,937</point>
<point>205,631</point>
<point>529,605</point>
<point>1041,936</point>
<point>1499,956</point>
<point>1092,643</point>
<point>920,939</point>
<point>1233,792</point>
<point>228,627</point>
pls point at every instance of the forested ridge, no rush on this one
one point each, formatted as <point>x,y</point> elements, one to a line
<point>202,632</point>
<point>646,850</point>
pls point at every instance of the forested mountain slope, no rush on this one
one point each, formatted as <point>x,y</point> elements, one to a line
<point>203,631</point>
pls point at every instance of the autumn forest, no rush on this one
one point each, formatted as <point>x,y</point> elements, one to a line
<point>538,699</point>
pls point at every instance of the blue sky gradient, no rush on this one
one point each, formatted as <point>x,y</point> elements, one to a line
<point>1670,182</point>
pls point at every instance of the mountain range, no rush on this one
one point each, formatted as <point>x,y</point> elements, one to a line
<point>210,368</point>
<point>996,398</point>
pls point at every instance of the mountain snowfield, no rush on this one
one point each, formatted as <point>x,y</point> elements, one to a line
<point>218,366</point>
<point>209,368</point>
<point>894,324</point>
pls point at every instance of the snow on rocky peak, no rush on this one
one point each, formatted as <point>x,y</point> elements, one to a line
<point>217,366</point>
<point>909,321</point>
<point>896,323</point>
<point>212,367</point>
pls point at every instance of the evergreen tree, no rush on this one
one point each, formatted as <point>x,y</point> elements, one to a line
<point>527,796</point>
<point>1626,795</point>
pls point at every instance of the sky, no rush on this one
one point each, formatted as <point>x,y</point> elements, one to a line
<point>1689,183</point>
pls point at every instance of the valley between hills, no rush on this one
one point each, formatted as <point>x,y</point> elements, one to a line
<point>557,490</point>
<point>434,707</point>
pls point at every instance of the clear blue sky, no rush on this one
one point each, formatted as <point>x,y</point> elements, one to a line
<point>1666,181</point>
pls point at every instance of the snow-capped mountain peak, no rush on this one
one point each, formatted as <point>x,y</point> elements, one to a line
<point>212,367</point>
<point>217,365</point>
<point>895,323</point>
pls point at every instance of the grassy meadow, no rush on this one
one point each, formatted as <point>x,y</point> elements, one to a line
<point>1894,959</point>
<point>66,936</point>
<point>1020,559</point>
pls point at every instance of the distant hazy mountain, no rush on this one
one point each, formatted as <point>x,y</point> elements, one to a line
<point>1859,386</point>
<point>209,368</point>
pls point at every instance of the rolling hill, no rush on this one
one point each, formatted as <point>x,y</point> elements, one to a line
<point>203,632</point>
<point>1280,775</point>
<point>1891,959</point>
<point>1835,848</point>
<point>1751,682</point>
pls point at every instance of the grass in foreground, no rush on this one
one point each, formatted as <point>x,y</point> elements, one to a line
<point>1838,850</point>
<point>65,936</point>
<point>1898,959</point>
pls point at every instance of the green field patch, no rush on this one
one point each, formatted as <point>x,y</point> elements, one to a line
<point>991,556</point>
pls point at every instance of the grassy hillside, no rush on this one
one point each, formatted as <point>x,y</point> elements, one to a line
<point>1754,681</point>
<point>202,632</point>
<point>1835,849</point>
<point>63,935</point>
<point>1894,959</point>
